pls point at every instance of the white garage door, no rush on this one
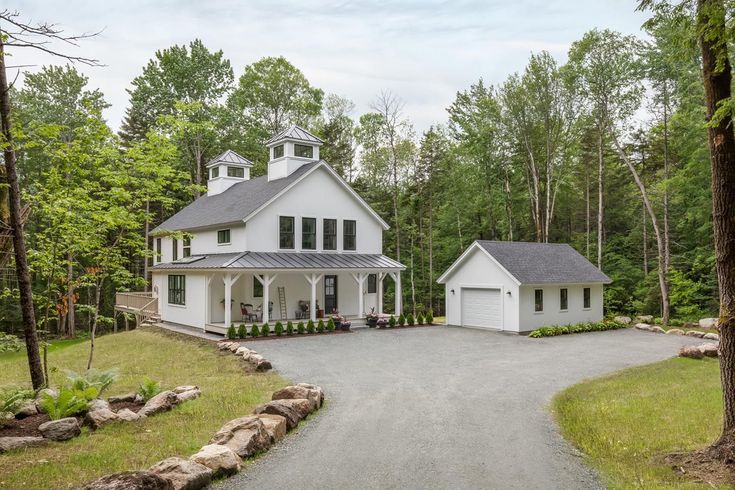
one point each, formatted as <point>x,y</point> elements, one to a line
<point>481,308</point>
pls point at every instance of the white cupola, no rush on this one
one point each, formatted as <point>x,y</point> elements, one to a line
<point>289,150</point>
<point>226,170</point>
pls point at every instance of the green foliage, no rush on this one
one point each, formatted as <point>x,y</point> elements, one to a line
<point>91,384</point>
<point>148,389</point>
<point>66,404</point>
<point>410,320</point>
<point>420,318</point>
<point>266,330</point>
<point>254,330</point>
<point>401,319</point>
<point>300,328</point>
<point>320,326</point>
<point>429,317</point>
<point>392,321</point>
<point>242,331</point>
<point>553,330</point>
<point>330,325</point>
<point>289,328</point>
<point>231,332</point>
<point>11,399</point>
<point>310,326</point>
<point>10,343</point>
<point>279,329</point>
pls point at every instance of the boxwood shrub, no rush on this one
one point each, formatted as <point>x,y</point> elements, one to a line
<point>554,330</point>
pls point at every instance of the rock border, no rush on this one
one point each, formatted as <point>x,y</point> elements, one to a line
<point>236,440</point>
<point>249,355</point>
<point>677,331</point>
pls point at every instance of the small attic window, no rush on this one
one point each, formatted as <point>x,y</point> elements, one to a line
<point>214,173</point>
<point>304,151</point>
<point>278,151</point>
<point>236,172</point>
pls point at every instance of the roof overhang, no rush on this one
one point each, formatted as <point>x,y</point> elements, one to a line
<point>475,246</point>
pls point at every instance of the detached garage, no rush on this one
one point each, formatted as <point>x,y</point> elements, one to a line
<point>520,286</point>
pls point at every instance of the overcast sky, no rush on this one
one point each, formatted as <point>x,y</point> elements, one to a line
<point>424,51</point>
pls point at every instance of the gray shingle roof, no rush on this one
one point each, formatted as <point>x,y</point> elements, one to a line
<point>229,156</point>
<point>283,261</point>
<point>295,133</point>
<point>544,263</point>
<point>232,205</point>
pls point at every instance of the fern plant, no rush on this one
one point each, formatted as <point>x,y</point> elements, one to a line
<point>66,404</point>
<point>148,389</point>
<point>11,400</point>
<point>91,384</point>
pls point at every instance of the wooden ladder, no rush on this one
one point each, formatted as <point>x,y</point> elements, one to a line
<point>282,301</point>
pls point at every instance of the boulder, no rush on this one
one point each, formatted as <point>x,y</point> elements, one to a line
<point>708,323</point>
<point>246,436</point>
<point>128,415</point>
<point>162,402</point>
<point>694,333</point>
<point>234,346</point>
<point>657,329</point>
<point>241,351</point>
<point>711,336</point>
<point>100,417</point>
<point>27,409</point>
<point>181,389</point>
<point>275,426</point>
<point>643,326</point>
<point>10,443</point>
<point>60,430</point>
<point>690,325</point>
<point>183,474</point>
<point>188,395</point>
<point>263,365</point>
<point>292,410</point>
<point>644,318</point>
<point>98,404</point>
<point>691,351</point>
<point>223,346</point>
<point>220,459</point>
<point>296,392</point>
<point>130,480</point>
<point>709,350</point>
<point>317,389</point>
<point>623,319</point>
<point>675,331</point>
<point>126,398</point>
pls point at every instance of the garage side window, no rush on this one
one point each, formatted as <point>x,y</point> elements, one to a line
<point>563,299</point>
<point>538,299</point>
<point>587,297</point>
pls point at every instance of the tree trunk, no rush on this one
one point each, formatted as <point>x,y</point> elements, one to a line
<point>147,245</point>
<point>587,203</point>
<point>508,202</point>
<point>717,88</point>
<point>667,252</point>
<point>93,327</point>
<point>645,239</point>
<point>600,200</point>
<point>71,322</point>
<point>19,246</point>
<point>431,247</point>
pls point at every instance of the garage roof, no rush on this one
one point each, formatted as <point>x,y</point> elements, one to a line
<point>537,263</point>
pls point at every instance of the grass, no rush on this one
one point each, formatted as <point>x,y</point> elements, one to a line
<point>227,393</point>
<point>54,345</point>
<point>625,423</point>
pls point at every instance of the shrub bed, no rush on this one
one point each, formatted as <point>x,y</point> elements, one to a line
<point>554,330</point>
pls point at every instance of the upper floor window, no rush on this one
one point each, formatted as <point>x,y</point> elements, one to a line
<point>587,299</point>
<point>286,232</point>
<point>538,299</point>
<point>187,247</point>
<point>177,289</point>
<point>158,249</point>
<point>372,283</point>
<point>563,299</point>
<point>278,151</point>
<point>305,151</point>
<point>174,249</point>
<point>308,233</point>
<point>330,234</point>
<point>349,234</point>
<point>236,172</point>
<point>223,237</point>
<point>214,172</point>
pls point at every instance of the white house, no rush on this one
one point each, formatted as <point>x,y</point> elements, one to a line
<point>299,238</point>
<point>520,286</point>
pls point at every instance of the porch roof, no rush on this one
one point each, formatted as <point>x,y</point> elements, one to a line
<point>283,261</point>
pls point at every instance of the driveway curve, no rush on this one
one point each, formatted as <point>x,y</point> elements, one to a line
<point>440,407</point>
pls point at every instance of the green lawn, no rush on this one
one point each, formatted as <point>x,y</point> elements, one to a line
<point>227,393</point>
<point>625,423</point>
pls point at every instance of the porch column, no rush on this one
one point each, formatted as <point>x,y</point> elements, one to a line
<point>360,277</point>
<point>381,276</point>
<point>229,280</point>
<point>208,301</point>
<point>313,279</point>
<point>397,278</point>
<point>266,281</point>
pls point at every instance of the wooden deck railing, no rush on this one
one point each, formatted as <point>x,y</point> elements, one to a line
<point>139,302</point>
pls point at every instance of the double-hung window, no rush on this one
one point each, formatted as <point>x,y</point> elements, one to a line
<point>538,300</point>
<point>330,234</point>
<point>175,249</point>
<point>308,233</point>
<point>187,247</point>
<point>349,234</point>
<point>587,299</point>
<point>286,232</point>
<point>158,249</point>
<point>177,289</point>
<point>223,237</point>
<point>563,299</point>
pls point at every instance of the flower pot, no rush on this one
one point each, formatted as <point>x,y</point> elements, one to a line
<point>372,322</point>
<point>345,326</point>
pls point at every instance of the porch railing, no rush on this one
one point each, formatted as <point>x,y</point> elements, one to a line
<point>139,302</point>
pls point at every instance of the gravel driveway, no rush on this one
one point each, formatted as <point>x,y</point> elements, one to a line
<point>440,407</point>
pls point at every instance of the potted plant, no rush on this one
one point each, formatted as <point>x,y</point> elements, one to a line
<point>372,318</point>
<point>382,323</point>
<point>337,319</point>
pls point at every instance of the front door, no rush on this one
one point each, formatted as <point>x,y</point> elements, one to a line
<point>330,294</point>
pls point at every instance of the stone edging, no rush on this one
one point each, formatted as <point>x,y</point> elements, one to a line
<point>249,355</point>
<point>676,331</point>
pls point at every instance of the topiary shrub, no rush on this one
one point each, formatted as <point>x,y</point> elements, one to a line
<point>420,319</point>
<point>401,319</point>
<point>289,328</point>
<point>232,332</point>
<point>242,331</point>
<point>330,325</point>
<point>429,317</point>
<point>310,326</point>
<point>410,320</point>
<point>254,331</point>
<point>265,331</point>
<point>300,328</point>
<point>392,321</point>
<point>320,326</point>
<point>278,329</point>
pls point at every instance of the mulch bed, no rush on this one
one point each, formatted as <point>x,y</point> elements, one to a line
<point>284,336</point>
<point>699,467</point>
<point>387,327</point>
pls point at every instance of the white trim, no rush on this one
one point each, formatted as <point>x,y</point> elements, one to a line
<point>483,286</point>
<point>321,164</point>
<point>460,259</point>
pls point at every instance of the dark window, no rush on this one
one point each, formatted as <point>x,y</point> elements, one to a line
<point>587,297</point>
<point>187,247</point>
<point>278,151</point>
<point>223,236</point>
<point>563,299</point>
<point>349,234</point>
<point>539,300</point>
<point>214,173</point>
<point>235,172</point>
<point>305,151</point>
<point>257,288</point>
<point>330,234</point>
<point>175,248</point>
<point>158,249</point>
<point>285,227</point>
<point>308,233</point>
<point>177,289</point>
<point>372,283</point>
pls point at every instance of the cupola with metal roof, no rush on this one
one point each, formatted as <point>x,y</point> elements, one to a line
<point>226,170</point>
<point>289,150</point>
